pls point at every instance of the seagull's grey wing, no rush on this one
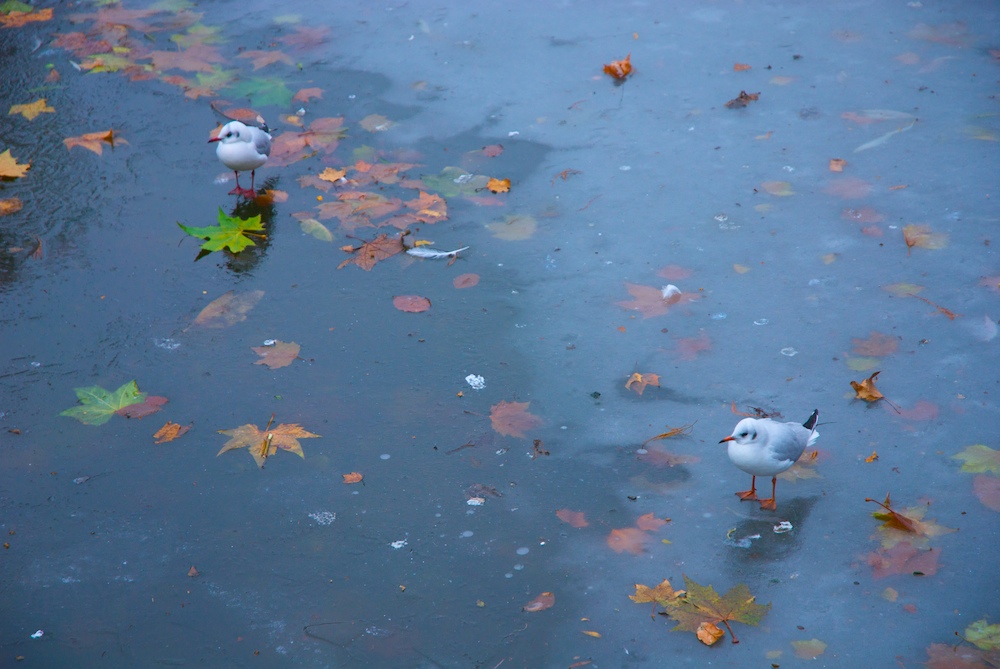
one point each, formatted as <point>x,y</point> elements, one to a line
<point>261,141</point>
<point>790,440</point>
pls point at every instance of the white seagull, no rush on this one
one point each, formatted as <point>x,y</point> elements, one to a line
<point>241,148</point>
<point>764,447</point>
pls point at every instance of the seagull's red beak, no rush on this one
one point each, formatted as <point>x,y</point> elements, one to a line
<point>214,139</point>
<point>729,438</point>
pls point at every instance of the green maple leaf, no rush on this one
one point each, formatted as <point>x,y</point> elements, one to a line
<point>231,232</point>
<point>979,459</point>
<point>14,6</point>
<point>265,92</point>
<point>983,635</point>
<point>217,79</point>
<point>704,605</point>
<point>97,405</point>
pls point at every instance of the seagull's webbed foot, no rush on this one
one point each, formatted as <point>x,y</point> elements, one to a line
<point>768,504</point>
<point>747,495</point>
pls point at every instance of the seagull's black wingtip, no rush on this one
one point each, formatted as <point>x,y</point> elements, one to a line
<point>811,423</point>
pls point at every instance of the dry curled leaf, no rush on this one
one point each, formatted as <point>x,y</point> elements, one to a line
<point>169,432</point>
<point>866,390</point>
<point>638,382</point>
<point>512,419</point>
<point>540,603</point>
<point>353,477</point>
<point>619,69</point>
<point>742,100</point>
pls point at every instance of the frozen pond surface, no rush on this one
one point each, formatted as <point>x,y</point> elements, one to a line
<point>796,279</point>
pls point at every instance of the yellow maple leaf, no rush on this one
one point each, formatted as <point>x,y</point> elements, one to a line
<point>263,444</point>
<point>498,185</point>
<point>32,109</point>
<point>332,175</point>
<point>10,168</point>
<point>93,141</point>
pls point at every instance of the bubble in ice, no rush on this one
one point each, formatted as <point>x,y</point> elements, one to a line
<point>789,351</point>
<point>719,316</point>
<point>761,321</point>
<point>466,534</point>
<point>166,343</point>
<point>523,550</point>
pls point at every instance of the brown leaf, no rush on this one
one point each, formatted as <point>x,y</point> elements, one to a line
<point>16,19</point>
<point>94,141</point>
<point>169,432</point>
<point>650,523</point>
<point>740,67</point>
<point>663,594</point>
<point>742,100</point>
<point>640,381</point>
<point>866,390</point>
<point>369,253</point>
<point>10,206</point>
<point>809,650</point>
<point>708,633</point>
<point>903,558</point>
<point>573,518</point>
<point>413,304</point>
<point>512,419</point>
<point>196,58</point>
<point>150,405</point>
<point>227,310</point>
<point>265,444</point>
<point>619,69</point>
<point>192,572</point>
<point>924,237</point>
<point>872,458</point>
<point>877,345</point>
<point>353,477</point>
<point>849,188</point>
<point>465,280</point>
<point>907,525</point>
<point>307,94</point>
<point>628,539</point>
<point>987,489</point>
<point>279,354</point>
<point>540,603</point>
<point>498,185</point>
<point>865,215</point>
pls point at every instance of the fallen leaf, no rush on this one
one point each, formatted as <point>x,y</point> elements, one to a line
<point>872,458</point>
<point>369,253</point>
<point>227,310</point>
<point>650,523</point>
<point>877,344</point>
<point>514,228</point>
<point>903,558</point>
<point>987,489</point>
<point>866,390</point>
<point>332,175</point>
<point>890,594</point>
<point>264,444</point>
<point>703,604</point>
<point>311,226</point>
<point>983,635</point>
<point>32,109</point>
<point>264,58</point>
<point>979,459</point>
<point>10,206</point>
<point>809,650</point>
<point>674,273</point>
<point>493,150</point>
<point>740,67</point>
<point>619,69</point>
<point>148,406</point>
<point>778,188</point>
<point>307,94</point>
<point>849,188</point>
<point>465,281</point>
<point>279,354</point>
<point>651,301</point>
<point>627,539</point>
<point>742,100</point>
<point>512,419</point>
<point>498,185</point>
<point>640,381</point>
<point>947,656</point>
<point>924,237</point>
<point>837,164</point>
<point>232,232</point>
<point>540,603</point>
<point>10,168</point>
<point>94,141</point>
<point>903,289</point>
<point>907,525</point>
<point>97,405</point>
<point>169,432</point>
<point>804,467</point>
<point>672,432</point>
<point>17,18</point>
<point>865,215</point>
<point>192,572</point>
<point>663,594</point>
<point>922,410</point>
<point>658,457</point>
<point>353,477</point>
<point>375,123</point>
<point>572,518</point>
<point>708,633</point>
<point>596,635</point>
<point>411,303</point>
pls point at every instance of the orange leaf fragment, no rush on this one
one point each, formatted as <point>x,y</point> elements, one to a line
<point>512,419</point>
<point>353,477</point>
<point>837,164</point>
<point>572,518</point>
<point>369,253</point>
<point>16,19</point>
<point>31,110</point>
<point>866,390</point>
<point>740,67</point>
<point>413,304</point>
<point>465,280</point>
<point>742,100</point>
<point>192,572</point>
<point>10,206</point>
<point>650,523</point>
<point>307,94</point>
<point>10,168</point>
<point>628,539</point>
<point>872,458</point>
<point>640,381</point>
<point>94,141</point>
<point>708,633</point>
<point>279,354</point>
<point>540,603</point>
<point>498,185</point>
<point>169,432</point>
<point>619,69</point>
<point>903,558</point>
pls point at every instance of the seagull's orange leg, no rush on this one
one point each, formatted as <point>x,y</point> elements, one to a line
<point>770,504</point>
<point>751,494</point>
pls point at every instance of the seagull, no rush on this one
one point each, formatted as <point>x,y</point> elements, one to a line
<point>241,148</point>
<point>764,447</point>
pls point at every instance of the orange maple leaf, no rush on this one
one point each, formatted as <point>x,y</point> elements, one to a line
<point>263,444</point>
<point>10,168</point>
<point>924,237</point>
<point>264,58</point>
<point>94,141</point>
<point>307,94</point>
<point>369,253</point>
<point>196,58</point>
<point>650,523</point>
<point>353,477</point>
<point>628,539</point>
<point>512,419</point>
